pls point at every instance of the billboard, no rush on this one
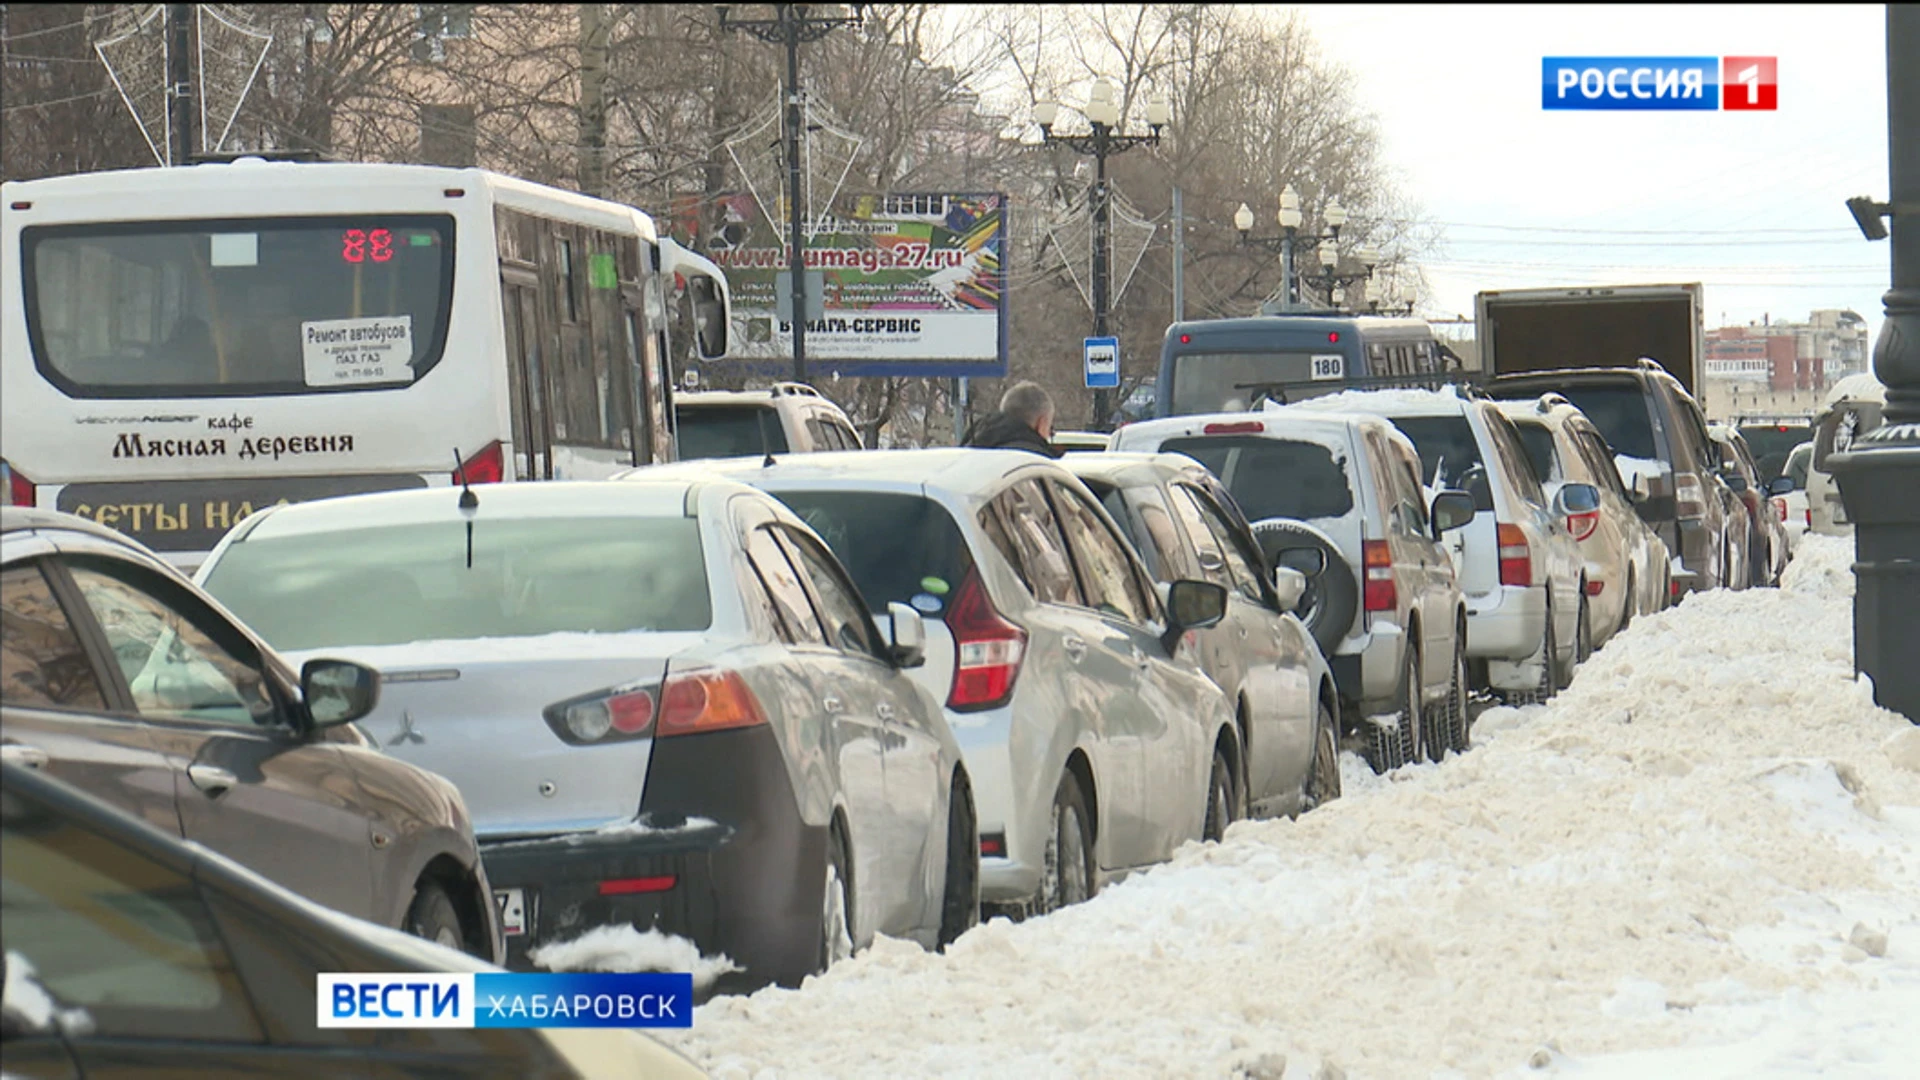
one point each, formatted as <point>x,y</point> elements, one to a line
<point>909,285</point>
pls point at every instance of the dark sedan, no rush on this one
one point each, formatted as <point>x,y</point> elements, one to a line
<point>132,954</point>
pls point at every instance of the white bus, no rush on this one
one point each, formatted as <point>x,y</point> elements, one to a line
<point>179,347</point>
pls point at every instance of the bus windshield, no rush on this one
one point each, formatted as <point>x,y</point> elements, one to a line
<point>238,307</point>
<point>1214,382</point>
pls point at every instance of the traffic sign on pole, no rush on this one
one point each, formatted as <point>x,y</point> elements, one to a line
<point>1103,362</point>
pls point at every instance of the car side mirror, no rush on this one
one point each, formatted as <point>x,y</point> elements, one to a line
<point>1305,561</point>
<point>338,691</point>
<point>1578,499</point>
<point>1289,585</point>
<point>1780,485</point>
<point>909,649</point>
<point>1451,510</point>
<point>1638,489</point>
<point>1192,605</point>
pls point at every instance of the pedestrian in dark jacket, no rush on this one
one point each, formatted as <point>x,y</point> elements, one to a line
<point>1024,422</point>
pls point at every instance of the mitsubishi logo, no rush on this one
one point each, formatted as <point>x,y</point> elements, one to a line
<point>407,732</point>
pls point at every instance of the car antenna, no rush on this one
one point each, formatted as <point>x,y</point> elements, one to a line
<point>469,502</point>
<point>769,462</point>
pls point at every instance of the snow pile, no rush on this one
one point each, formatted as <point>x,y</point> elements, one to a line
<point>1672,869</point>
<point>623,948</point>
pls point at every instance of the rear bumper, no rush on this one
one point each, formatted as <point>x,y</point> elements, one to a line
<point>986,745</point>
<point>1366,670</point>
<point>1506,623</point>
<point>746,883</point>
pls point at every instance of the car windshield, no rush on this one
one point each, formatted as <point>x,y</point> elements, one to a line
<point>899,548</point>
<point>242,306</point>
<point>1538,439</point>
<point>1448,450</point>
<point>723,431</point>
<point>1620,412</point>
<point>389,584</point>
<point>1273,478</point>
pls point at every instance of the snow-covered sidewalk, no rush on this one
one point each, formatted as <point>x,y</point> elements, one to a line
<point>1658,874</point>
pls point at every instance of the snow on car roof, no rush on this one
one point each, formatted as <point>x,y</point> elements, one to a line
<point>1394,400</point>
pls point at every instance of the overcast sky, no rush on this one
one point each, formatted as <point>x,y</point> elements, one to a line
<point>1751,203</point>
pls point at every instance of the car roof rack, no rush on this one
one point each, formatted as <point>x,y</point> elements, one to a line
<point>793,389</point>
<point>1551,400</point>
<point>300,155</point>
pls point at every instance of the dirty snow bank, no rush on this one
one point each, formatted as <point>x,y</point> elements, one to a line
<point>1676,868</point>
<point>623,948</point>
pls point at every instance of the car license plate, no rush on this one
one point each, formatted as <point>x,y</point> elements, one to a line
<point>513,910</point>
<point>1329,366</point>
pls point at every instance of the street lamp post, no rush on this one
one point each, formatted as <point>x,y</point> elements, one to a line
<point>1103,116</point>
<point>791,25</point>
<point>1290,219</point>
<point>1879,474</point>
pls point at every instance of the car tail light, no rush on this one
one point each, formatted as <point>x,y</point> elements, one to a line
<point>706,700</point>
<point>1516,562</point>
<point>489,466</point>
<point>1595,587</point>
<point>1673,590</point>
<point>987,649</point>
<point>1242,427</point>
<point>1808,513</point>
<point>606,717</point>
<point>1780,508</point>
<point>993,845</point>
<point>1581,525</point>
<point>1689,499</point>
<point>632,885</point>
<point>1377,559</point>
<point>19,488</point>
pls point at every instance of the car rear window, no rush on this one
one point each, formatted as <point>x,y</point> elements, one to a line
<point>1620,412</point>
<point>391,584</point>
<point>721,431</point>
<point>1273,478</point>
<point>1538,440</point>
<point>898,547</point>
<point>1771,443</point>
<point>1448,450</point>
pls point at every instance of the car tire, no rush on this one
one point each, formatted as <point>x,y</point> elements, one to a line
<point>1627,606</point>
<point>960,898</point>
<point>1583,643</point>
<point>1220,801</point>
<point>1332,598</point>
<point>1459,734</point>
<point>1391,746</point>
<point>1067,871</point>
<point>1543,691</point>
<point>836,906</point>
<point>1322,785</point>
<point>432,916</point>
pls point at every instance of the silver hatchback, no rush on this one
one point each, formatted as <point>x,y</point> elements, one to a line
<point>1095,742</point>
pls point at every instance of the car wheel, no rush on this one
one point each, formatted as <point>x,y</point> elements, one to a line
<point>1390,746</point>
<point>1540,692</point>
<point>836,906</point>
<point>1219,798</point>
<point>1067,875</point>
<point>1583,643</point>
<point>432,916</point>
<point>1627,605</point>
<point>960,902</point>
<point>1323,777</point>
<point>1459,734</point>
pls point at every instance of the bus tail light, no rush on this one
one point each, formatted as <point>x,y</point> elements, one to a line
<point>1381,593</point>
<point>489,466</point>
<point>19,488</point>
<point>1516,562</point>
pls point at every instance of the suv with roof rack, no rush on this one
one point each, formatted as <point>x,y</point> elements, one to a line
<point>1348,486</point>
<point>786,418</point>
<point>1520,568</point>
<point>1658,435</point>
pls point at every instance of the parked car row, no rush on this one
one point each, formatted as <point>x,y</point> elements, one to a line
<point>780,704</point>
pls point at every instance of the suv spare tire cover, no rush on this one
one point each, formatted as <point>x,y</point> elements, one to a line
<point>1333,595</point>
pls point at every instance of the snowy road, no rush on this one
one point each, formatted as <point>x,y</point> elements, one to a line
<point>1657,874</point>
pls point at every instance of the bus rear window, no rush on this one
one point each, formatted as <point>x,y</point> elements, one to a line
<point>1229,382</point>
<point>163,309</point>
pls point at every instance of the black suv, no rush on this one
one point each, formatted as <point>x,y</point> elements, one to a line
<point>1658,435</point>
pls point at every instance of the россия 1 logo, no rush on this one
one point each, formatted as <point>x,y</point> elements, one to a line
<point>1705,83</point>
